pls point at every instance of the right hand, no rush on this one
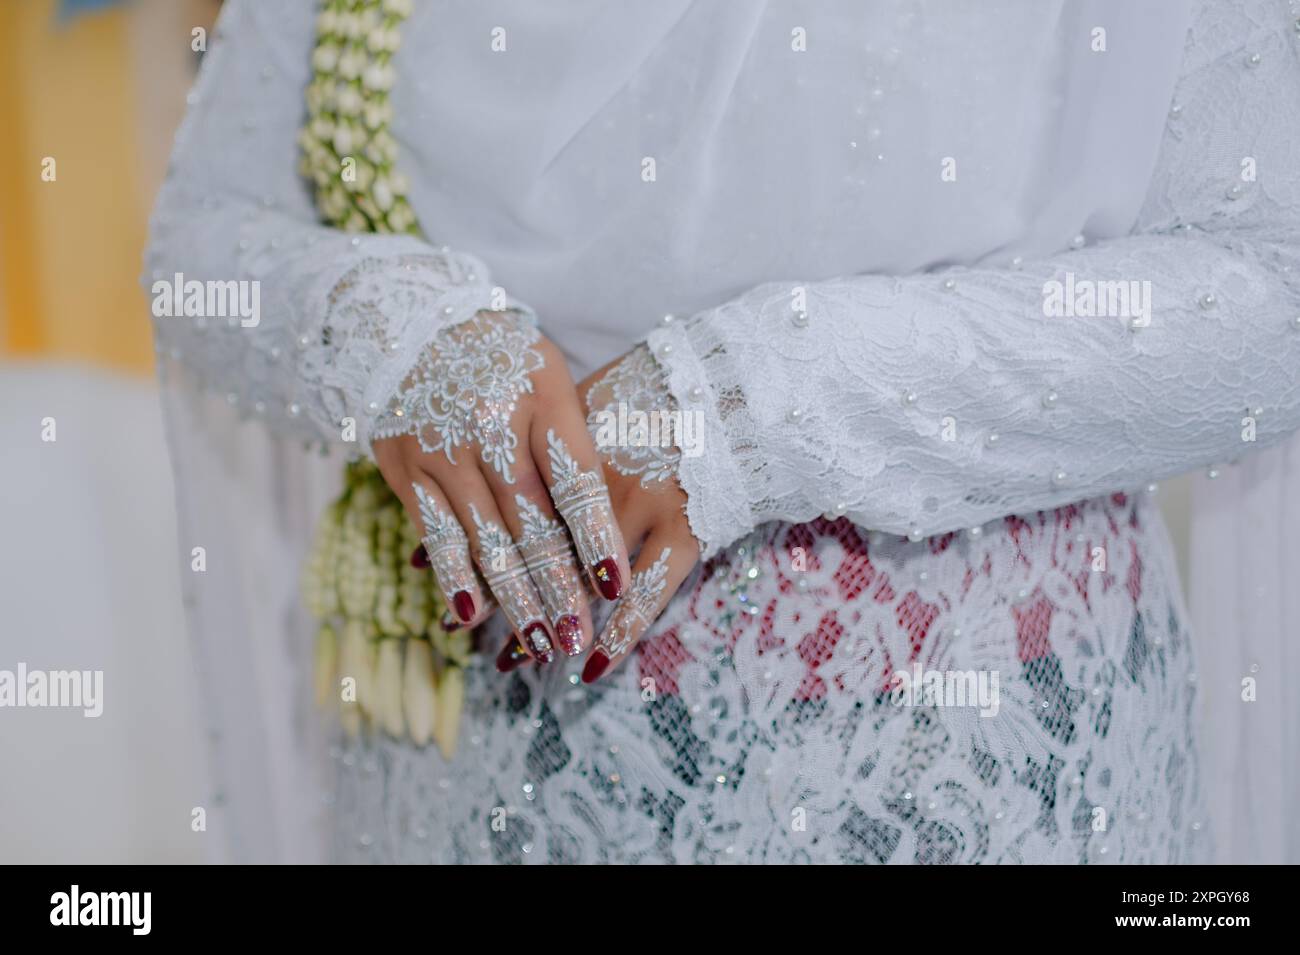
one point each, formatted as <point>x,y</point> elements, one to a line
<point>495,442</point>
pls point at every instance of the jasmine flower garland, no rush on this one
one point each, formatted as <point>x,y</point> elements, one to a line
<point>382,655</point>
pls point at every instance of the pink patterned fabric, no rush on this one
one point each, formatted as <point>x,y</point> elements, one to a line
<point>758,722</point>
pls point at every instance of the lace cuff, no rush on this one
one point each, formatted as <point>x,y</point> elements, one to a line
<point>377,324</point>
<point>716,518</point>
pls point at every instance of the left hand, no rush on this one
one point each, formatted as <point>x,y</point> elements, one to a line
<point>649,503</point>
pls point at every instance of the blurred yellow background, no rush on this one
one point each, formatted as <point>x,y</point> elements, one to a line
<point>89,557</point>
<point>98,94</point>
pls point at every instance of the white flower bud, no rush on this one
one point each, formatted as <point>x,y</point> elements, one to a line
<point>343,140</point>
<point>419,692</point>
<point>350,64</point>
<point>387,707</point>
<point>325,58</point>
<point>349,101</point>
<point>400,219</point>
<point>377,77</point>
<point>451,695</point>
<point>327,658</point>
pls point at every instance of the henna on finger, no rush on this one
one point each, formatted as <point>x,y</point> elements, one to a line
<point>544,544</point>
<point>507,576</point>
<point>583,501</point>
<point>635,611</point>
<point>447,550</point>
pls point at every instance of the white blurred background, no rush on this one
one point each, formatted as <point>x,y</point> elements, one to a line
<point>89,562</point>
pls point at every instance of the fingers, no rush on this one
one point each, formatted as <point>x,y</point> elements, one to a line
<point>507,575</point>
<point>512,655</point>
<point>664,561</point>
<point>570,467</point>
<point>544,543</point>
<point>441,534</point>
<point>466,502</point>
<point>446,548</point>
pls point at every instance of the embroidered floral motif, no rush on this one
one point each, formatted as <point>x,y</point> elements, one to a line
<point>770,670</point>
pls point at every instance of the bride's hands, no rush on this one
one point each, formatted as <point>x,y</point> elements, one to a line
<point>649,504</point>
<point>486,433</point>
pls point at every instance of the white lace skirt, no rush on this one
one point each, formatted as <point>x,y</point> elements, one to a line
<point>1046,715</point>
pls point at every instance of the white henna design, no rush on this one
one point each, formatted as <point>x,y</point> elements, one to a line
<point>637,609</point>
<point>636,385</point>
<point>507,575</point>
<point>468,390</point>
<point>583,501</point>
<point>446,545</point>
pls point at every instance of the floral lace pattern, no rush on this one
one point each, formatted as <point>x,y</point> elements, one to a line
<point>756,724</point>
<point>875,400</point>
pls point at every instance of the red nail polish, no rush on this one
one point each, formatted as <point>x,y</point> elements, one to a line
<point>511,655</point>
<point>568,631</point>
<point>539,642</point>
<point>597,664</point>
<point>464,605</point>
<point>608,580</point>
<point>419,557</point>
<point>450,624</point>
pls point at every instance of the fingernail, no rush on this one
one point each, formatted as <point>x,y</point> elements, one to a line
<point>420,557</point>
<point>449,623</point>
<point>511,655</point>
<point>568,630</point>
<point>607,579</point>
<point>464,604</point>
<point>597,664</point>
<point>538,642</point>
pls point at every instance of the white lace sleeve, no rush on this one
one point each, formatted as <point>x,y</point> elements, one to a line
<point>926,403</point>
<point>327,324</point>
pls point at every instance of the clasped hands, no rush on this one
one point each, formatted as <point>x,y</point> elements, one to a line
<point>489,449</point>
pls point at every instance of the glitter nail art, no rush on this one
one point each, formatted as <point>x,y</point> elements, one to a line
<point>553,569</point>
<point>507,576</point>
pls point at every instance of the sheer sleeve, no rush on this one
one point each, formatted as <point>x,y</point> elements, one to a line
<point>925,403</point>
<point>298,323</point>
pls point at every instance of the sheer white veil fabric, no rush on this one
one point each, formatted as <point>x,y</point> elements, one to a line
<point>1245,606</point>
<point>250,498</point>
